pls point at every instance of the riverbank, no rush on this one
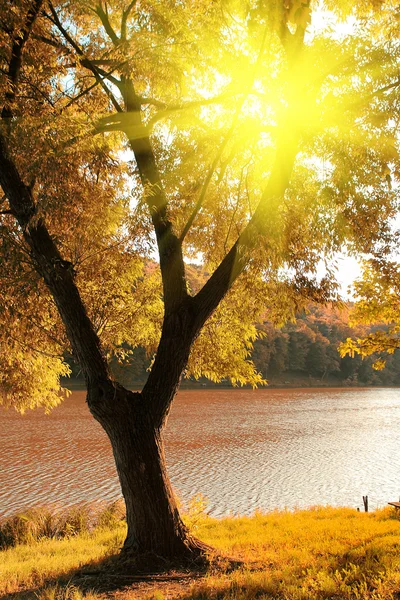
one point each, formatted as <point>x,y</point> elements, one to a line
<point>286,381</point>
<point>320,553</point>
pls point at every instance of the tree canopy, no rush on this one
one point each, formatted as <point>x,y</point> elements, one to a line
<point>230,93</point>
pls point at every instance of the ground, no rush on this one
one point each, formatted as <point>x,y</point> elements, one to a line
<point>320,553</point>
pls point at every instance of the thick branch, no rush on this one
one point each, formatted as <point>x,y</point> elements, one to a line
<point>107,25</point>
<point>124,20</point>
<point>169,246</point>
<point>57,273</point>
<point>181,327</point>
<point>14,66</point>
<point>262,221</point>
<point>165,108</point>
<point>171,359</point>
<point>52,42</point>
<point>168,109</point>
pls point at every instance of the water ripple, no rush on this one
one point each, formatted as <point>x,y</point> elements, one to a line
<point>242,449</point>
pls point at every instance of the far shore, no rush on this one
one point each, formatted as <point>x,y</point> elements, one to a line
<point>289,383</point>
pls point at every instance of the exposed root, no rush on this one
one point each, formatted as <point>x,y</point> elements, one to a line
<point>190,555</point>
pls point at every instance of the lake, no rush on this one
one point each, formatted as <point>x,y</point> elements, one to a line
<point>242,449</point>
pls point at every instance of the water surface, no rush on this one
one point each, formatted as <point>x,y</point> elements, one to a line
<point>243,449</point>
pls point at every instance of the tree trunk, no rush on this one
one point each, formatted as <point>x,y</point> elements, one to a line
<point>154,525</point>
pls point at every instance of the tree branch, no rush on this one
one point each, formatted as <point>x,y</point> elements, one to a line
<point>168,109</point>
<point>236,206</point>
<point>204,188</point>
<point>381,90</point>
<point>169,247</point>
<point>85,62</point>
<point>89,89</point>
<point>223,145</point>
<point>33,349</point>
<point>81,94</point>
<point>261,223</point>
<point>50,42</point>
<point>57,273</point>
<point>15,63</point>
<point>107,25</point>
<point>125,16</point>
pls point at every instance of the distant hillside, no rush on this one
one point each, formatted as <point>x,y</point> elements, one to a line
<point>306,353</point>
<point>300,354</point>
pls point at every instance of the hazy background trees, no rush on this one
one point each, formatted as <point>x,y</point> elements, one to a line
<point>303,353</point>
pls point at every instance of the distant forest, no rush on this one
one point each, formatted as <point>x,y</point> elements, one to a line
<point>299,354</point>
<point>306,352</point>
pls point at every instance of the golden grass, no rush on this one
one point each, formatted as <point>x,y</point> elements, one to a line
<point>320,553</point>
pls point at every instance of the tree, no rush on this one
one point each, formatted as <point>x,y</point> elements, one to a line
<point>377,303</point>
<point>213,102</point>
<point>299,344</point>
<point>279,358</point>
<point>317,359</point>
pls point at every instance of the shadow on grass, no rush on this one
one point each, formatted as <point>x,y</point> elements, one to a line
<point>110,575</point>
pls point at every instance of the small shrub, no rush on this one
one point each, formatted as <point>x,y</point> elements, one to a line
<point>196,510</point>
<point>111,515</point>
<point>76,520</point>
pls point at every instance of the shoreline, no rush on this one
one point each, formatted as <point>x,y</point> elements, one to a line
<point>76,385</point>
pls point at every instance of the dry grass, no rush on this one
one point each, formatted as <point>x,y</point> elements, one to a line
<point>38,523</point>
<point>321,554</point>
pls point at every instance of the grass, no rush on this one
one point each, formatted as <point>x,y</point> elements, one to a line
<point>320,553</point>
<point>38,523</point>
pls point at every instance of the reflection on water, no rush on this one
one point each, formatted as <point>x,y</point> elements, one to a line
<point>242,449</point>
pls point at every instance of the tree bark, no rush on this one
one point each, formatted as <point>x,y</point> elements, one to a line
<point>155,528</point>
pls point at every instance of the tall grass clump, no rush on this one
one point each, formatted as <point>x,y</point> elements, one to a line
<point>41,523</point>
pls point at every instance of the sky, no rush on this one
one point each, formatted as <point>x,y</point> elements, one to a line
<point>348,270</point>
